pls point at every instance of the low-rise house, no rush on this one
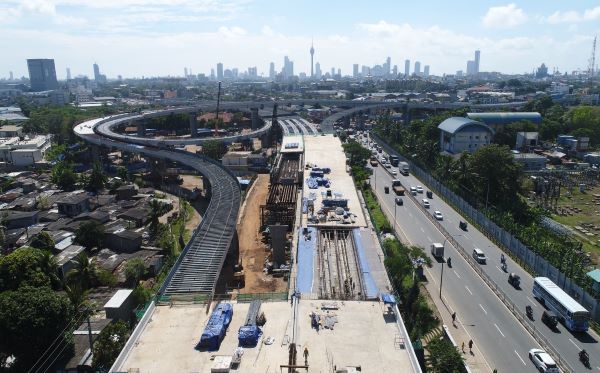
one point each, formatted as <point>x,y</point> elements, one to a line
<point>21,219</point>
<point>120,306</point>
<point>81,361</point>
<point>74,204</point>
<point>117,237</point>
<point>126,191</point>
<point>64,259</point>
<point>138,216</point>
<point>530,161</point>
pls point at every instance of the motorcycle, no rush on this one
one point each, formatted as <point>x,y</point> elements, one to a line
<point>504,267</point>
<point>529,312</point>
<point>449,262</point>
<point>584,358</point>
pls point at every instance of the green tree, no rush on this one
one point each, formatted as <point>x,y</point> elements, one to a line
<point>82,274</point>
<point>43,241</point>
<point>156,211</point>
<point>135,270</point>
<point>109,344</point>
<point>28,266</point>
<point>90,234</point>
<point>357,154</point>
<point>214,149</point>
<point>63,176</point>
<point>444,357</point>
<point>495,175</point>
<point>97,178</point>
<point>122,173</point>
<point>30,320</point>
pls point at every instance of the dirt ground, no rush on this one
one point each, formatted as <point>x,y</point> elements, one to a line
<point>252,250</point>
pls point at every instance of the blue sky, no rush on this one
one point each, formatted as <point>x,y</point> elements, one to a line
<point>161,37</point>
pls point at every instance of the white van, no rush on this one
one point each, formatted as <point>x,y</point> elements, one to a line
<point>479,256</point>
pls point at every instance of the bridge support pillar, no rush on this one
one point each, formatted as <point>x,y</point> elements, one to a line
<point>255,118</point>
<point>264,141</point>
<point>406,115</point>
<point>193,124</point>
<point>141,127</point>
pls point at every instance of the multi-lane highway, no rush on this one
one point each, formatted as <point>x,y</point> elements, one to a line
<point>500,336</point>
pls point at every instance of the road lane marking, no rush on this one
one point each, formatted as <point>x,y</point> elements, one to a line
<point>532,302</point>
<point>499,331</point>
<point>466,236</point>
<point>483,308</point>
<point>429,239</point>
<point>410,214</point>
<point>520,357</point>
<point>574,344</point>
<point>422,230</point>
<point>456,273</point>
<point>469,290</point>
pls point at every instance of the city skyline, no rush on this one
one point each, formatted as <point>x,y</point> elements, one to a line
<point>135,40</point>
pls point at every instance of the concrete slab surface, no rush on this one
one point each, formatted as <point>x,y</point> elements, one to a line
<point>327,151</point>
<point>365,335</point>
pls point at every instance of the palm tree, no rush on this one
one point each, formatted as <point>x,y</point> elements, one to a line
<point>83,272</point>
<point>156,210</point>
<point>77,296</point>
<point>49,266</point>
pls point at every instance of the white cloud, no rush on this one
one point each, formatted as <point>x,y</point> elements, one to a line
<point>572,16</point>
<point>267,31</point>
<point>506,16</point>
<point>39,6</point>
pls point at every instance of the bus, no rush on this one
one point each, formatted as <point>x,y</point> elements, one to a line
<point>572,314</point>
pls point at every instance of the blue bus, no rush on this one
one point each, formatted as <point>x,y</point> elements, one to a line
<point>573,315</point>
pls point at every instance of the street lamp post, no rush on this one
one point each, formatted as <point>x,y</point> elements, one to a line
<point>443,261</point>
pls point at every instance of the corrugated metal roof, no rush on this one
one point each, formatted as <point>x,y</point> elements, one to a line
<point>505,117</point>
<point>454,124</point>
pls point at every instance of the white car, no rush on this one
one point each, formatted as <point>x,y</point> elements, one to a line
<point>543,361</point>
<point>413,191</point>
<point>387,165</point>
<point>419,189</point>
<point>438,215</point>
<point>394,172</point>
<point>426,203</point>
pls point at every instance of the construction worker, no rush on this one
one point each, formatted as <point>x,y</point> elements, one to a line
<point>305,355</point>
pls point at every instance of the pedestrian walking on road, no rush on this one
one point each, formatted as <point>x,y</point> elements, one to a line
<point>305,355</point>
<point>453,318</point>
<point>470,345</point>
<point>463,347</point>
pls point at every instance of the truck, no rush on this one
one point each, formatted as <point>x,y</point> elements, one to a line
<point>373,161</point>
<point>403,168</point>
<point>437,250</point>
<point>397,187</point>
<point>394,160</point>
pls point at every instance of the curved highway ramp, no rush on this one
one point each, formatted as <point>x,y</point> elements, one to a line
<point>197,268</point>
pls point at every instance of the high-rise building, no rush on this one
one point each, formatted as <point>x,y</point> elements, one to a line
<point>11,75</point>
<point>272,70</point>
<point>470,67</point>
<point>220,71</point>
<point>212,74</point>
<point>332,72</point>
<point>417,68</point>
<point>99,78</point>
<point>312,54</point>
<point>288,68</point>
<point>388,66</point>
<point>339,73</point>
<point>395,71</point>
<point>406,68</point>
<point>477,56</point>
<point>426,71</point>
<point>42,74</point>
<point>252,72</point>
<point>185,72</point>
<point>318,72</point>
<point>68,74</point>
<point>365,71</point>
<point>355,70</point>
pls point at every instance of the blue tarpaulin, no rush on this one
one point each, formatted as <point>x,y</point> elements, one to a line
<point>248,335</point>
<point>388,298</point>
<point>215,329</point>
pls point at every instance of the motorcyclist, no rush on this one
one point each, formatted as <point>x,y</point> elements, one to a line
<point>450,262</point>
<point>583,355</point>
<point>529,310</point>
<point>502,259</point>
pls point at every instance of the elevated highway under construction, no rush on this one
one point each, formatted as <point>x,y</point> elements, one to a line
<point>333,249</point>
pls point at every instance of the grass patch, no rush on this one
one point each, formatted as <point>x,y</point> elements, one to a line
<point>380,222</point>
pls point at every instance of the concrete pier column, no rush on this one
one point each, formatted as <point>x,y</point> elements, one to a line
<point>141,127</point>
<point>193,124</point>
<point>255,119</point>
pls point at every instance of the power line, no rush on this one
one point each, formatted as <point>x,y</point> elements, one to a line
<point>71,324</point>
